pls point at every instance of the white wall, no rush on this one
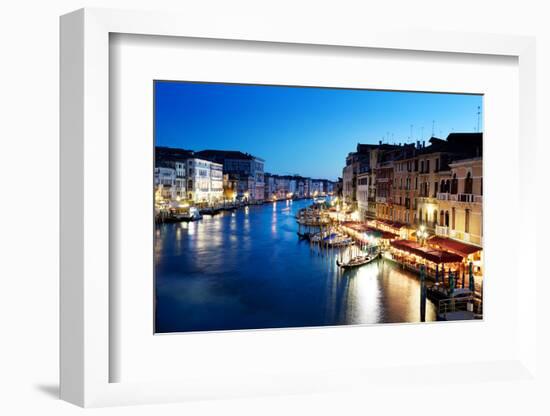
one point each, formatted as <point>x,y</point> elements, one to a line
<point>29,222</point>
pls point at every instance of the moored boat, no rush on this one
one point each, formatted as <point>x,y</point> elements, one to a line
<point>319,200</point>
<point>210,211</point>
<point>338,240</point>
<point>358,261</point>
<point>192,215</point>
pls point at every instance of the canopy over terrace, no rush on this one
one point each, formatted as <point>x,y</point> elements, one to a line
<point>395,227</point>
<point>392,224</point>
<point>361,228</point>
<point>453,246</point>
<point>427,253</point>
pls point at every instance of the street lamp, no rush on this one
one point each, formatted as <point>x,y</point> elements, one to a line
<point>422,234</point>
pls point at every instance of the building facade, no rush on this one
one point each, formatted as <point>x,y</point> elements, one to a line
<point>165,183</point>
<point>230,187</point>
<point>384,184</point>
<point>438,186</point>
<point>176,159</point>
<point>461,202</point>
<point>363,184</point>
<point>270,192</point>
<point>355,162</point>
<point>204,181</point>
<point>316,188</point>
<point>250,169</point>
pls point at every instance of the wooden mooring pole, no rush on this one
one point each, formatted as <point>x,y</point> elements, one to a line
<point>422,293</point>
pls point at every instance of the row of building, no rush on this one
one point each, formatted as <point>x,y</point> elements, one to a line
<point>213,176</point>
<point>438,186</point>
<point>295,186</point>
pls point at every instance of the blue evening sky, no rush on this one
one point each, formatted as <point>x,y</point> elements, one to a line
<point>306,131</point>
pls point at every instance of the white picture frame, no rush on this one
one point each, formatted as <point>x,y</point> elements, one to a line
<point>85,217</point>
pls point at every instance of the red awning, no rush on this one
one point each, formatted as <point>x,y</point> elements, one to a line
<point>393,224</point>
<point>427,253</point>
<point>462,249</point>
<point>364,228</point>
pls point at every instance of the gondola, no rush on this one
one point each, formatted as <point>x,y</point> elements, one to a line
<point>357,261</point>
<point>304,236</point>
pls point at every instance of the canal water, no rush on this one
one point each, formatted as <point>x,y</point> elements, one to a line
<point>247,269</point>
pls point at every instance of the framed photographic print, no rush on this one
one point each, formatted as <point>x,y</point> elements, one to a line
<point>264,211</point>
<point>270,214</point>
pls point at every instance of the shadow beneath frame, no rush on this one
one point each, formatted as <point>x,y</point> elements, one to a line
<point>51,390</point>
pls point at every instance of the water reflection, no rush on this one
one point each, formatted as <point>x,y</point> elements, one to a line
<point>247,269</point>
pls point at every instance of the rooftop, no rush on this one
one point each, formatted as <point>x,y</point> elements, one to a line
<point>225,154</point>
<point>172,153</point>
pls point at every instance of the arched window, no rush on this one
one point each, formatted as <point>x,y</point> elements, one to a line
<point>454,184</point>
<point>442,218</point>
<point>420,215</point>
<point>442,186</point>
<point>468,183</point>
<point>435,218</point>
<point>446,218</point>
<point>453,218</point>
<point>447,186</point>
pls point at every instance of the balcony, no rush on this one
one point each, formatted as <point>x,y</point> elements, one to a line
<point>469,198</point>
<point>425,198</point>
<point>458,235</point>
<point>442,230</point>
<point>465,237</point>
<point>465,198</point>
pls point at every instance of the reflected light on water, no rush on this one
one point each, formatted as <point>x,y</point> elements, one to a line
<point>253,272</point>
<point>274,219</point>
<point>364,296</point>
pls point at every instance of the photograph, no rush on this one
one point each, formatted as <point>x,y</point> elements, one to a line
<point>279,206</point>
